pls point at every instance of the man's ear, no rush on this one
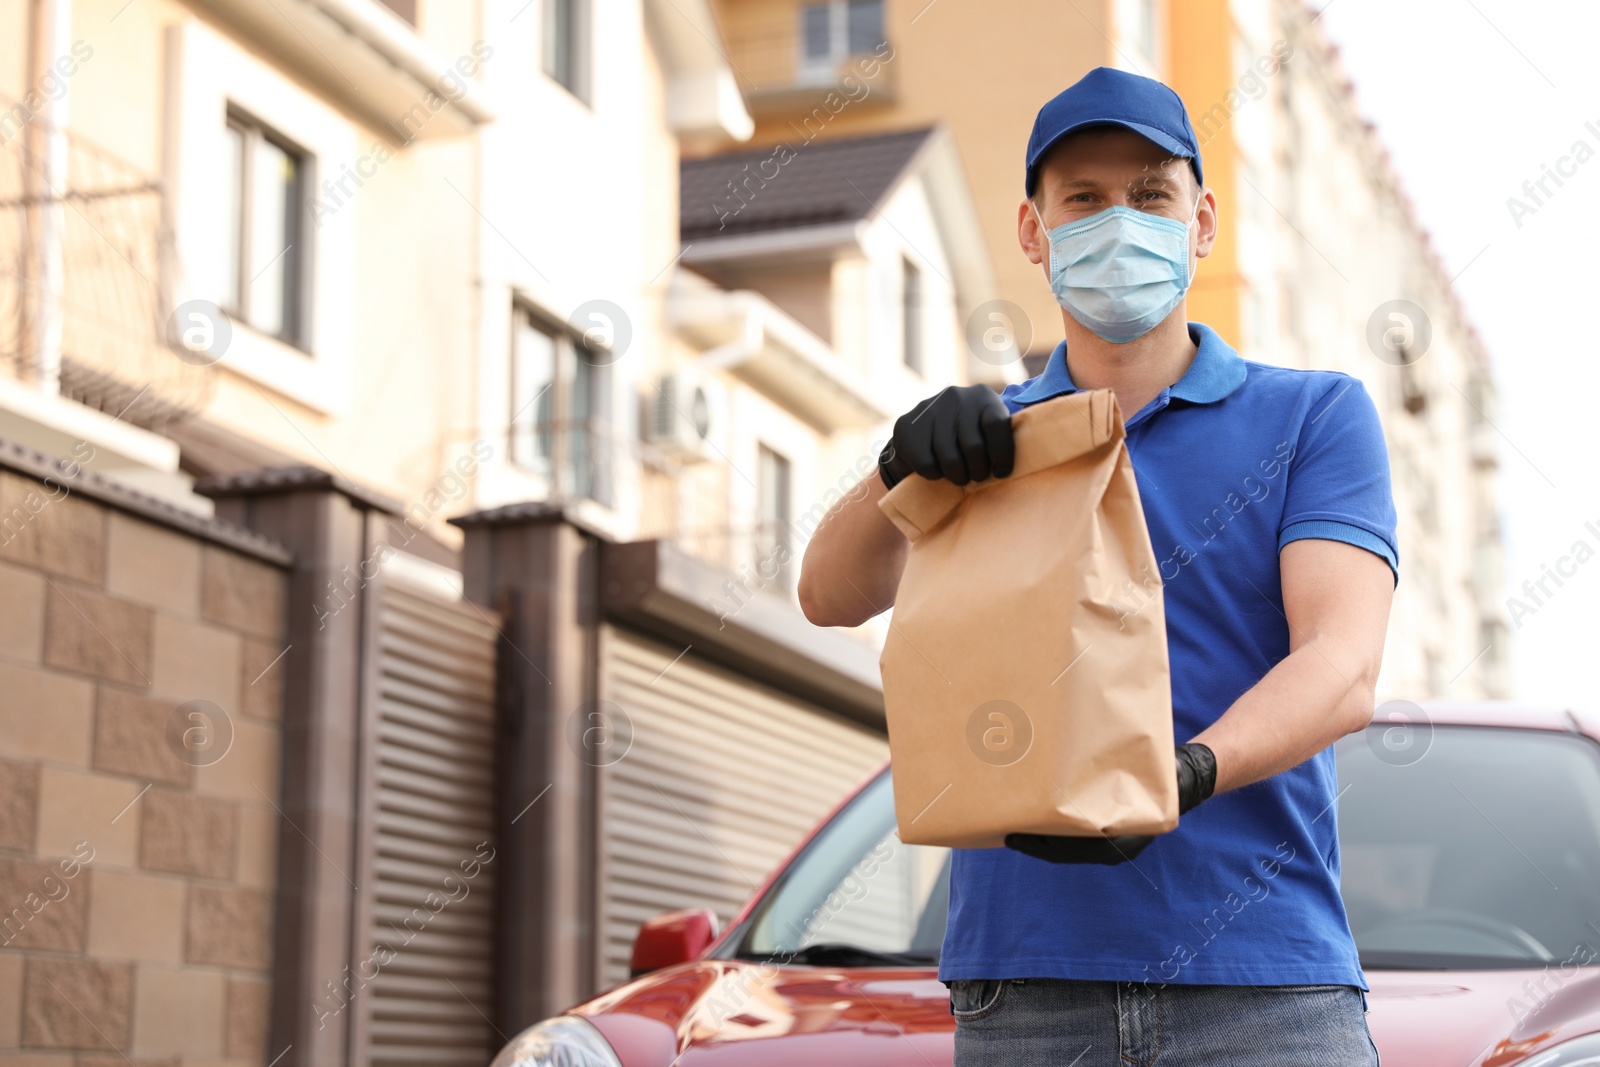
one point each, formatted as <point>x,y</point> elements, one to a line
<point>1206,224</point>
<point>1035,242</point>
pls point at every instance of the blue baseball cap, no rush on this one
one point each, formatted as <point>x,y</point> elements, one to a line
<point>1108,97</point>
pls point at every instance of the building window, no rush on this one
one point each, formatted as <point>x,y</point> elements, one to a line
<point>834,31</point>
<point>561,410</point>
<point>773,547</point>
<point>533,370</point>
<point>265,247</point>
<point>911,313</point>
<point>566,45</point>
<point>1138,19</point>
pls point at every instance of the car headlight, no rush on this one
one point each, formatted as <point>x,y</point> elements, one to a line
<point>564,1041</point>
<point>1582,1052</point>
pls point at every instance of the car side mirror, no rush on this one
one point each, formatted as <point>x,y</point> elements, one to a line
<point>676,937</point>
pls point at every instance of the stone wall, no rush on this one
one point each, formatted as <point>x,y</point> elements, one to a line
<point>140,703</point>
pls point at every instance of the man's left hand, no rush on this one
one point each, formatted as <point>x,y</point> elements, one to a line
<point>1197,778</point>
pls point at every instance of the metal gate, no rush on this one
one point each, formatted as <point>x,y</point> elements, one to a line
<point>722,778</point>
<point>427,900</point>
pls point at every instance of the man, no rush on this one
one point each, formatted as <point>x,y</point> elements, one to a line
<point>1266,493</point>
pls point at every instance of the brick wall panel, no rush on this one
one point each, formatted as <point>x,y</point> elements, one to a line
<point>96,811</point>
<point>249,1000</point>
<point>135,917</point>
<point>242,594</point>
<point>45,715</point>
<point>156,567</point>
<point>263,669</point>
<point>231,927</point>
<point>43,908</point>
<point>131,736</point>
<point>22,623</point>
<point>92,633</point>
<point>187,834</point>
<point>77,1004</point>
<point>19,805</point>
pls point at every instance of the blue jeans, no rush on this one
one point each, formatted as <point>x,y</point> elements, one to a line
<point>1056,1022</point>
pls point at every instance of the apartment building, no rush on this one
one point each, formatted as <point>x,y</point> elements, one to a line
<point>1335,271</point>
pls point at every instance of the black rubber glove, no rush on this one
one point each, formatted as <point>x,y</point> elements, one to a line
<point>1197,775</point>
<point>962,434</point>
<point>1102,850</point>
<point>1197,778</point>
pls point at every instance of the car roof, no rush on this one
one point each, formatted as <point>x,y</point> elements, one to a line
<point>1504,713</point>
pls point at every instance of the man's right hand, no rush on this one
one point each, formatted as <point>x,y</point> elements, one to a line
<point>962,434</point>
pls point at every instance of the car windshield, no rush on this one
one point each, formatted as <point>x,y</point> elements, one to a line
<point>856,896</point>
<point>1470,847</point>
<point>1462,847</point>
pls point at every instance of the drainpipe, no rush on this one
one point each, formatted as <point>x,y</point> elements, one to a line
<point>49,38</point>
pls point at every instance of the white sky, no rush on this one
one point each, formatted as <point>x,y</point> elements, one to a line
<point>1474,98</point>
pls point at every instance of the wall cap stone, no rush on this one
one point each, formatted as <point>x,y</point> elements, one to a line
<point>42,467</point>
<point>530,513</point>
<point>295,478</point>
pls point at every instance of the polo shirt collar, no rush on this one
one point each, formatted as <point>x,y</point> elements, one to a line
<point>1215,371</point>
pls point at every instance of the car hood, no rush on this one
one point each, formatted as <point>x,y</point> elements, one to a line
<point>1479,1018</point>
<point>727,1012</point>
<point>733,1012</point>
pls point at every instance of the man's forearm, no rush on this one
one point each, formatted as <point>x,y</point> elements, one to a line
<point>1302,706</point>
<point>1336,600</point>
<point>853,561</point>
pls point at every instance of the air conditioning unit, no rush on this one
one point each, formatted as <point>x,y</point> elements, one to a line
<point>680,416</point>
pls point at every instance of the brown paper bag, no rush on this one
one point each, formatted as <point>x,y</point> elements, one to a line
<point>1025,672</point>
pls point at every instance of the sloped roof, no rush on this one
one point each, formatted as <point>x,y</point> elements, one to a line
<point>828,180</point>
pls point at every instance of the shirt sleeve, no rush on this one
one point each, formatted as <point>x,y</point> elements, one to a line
<point>1338,487</point>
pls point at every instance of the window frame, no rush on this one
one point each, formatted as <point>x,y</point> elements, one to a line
<point>596,424</point>
<point>577,80</point>
<point>822,69</point>
<point>913,297</point>
<point>775,531</point>
<point>1140,26</point>
<point>298,257</point>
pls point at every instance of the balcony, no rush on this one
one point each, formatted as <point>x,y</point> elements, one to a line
<point>791,56</point>
<point>585,460</point>
<point>864,81</point>
<point>747,335</point>
<point>86,368</point>
<point>83,265</point>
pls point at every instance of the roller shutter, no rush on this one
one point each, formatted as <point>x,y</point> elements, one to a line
<point>723,778</point>
<point>429,884</point>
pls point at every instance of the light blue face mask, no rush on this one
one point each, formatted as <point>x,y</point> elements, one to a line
<point>1120,272</point>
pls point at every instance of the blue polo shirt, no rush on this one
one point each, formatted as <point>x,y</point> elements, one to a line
<point>1234,461</point>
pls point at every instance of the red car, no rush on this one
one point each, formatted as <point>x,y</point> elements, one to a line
<point>1470,845</point>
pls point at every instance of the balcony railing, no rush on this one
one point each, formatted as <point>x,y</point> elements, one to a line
<point>686,504</point>
<point>84,268</point>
